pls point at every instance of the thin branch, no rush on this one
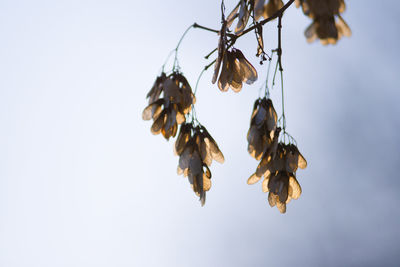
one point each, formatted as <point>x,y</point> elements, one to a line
<point>274,16</point>
<point>280,43</point>
<point>195,25</point>
<point>179,43</point>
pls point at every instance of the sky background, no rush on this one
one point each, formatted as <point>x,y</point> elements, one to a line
<point>83,182</point>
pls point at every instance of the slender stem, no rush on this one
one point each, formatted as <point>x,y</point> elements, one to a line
<point>198,80</point>
<point>195,25</point>
<point>273,79</point>
<point>268,71</point>
<point>179,43</point>
<point>283,106</point>
<point>166,60</point>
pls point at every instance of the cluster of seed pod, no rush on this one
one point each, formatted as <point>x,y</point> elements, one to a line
<point>169,110</point>
<point>196,150</point>
<point>278,161</point>
<point>236,70</point>
<point>325,26</point>
<point>170,100</point>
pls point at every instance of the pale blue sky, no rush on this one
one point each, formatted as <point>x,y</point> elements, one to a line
<point>83,182</point>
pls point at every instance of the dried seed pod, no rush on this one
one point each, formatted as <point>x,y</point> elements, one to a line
<point>157,88</point>
<point>327,25</point>
<point>235,70</point>
<point>169,110</point>
<point>272,7</point>
<point>196,149</point>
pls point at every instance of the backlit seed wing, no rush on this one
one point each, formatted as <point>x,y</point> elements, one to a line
<point>265,185</point>
<point>283,188</point>
<point>236,83</point>
<point>272,7</point>
<point>152,110</point>
<point>185,157</point>
<point>302,162</point>
<point>157,88</point>
<point>195,164</point>
<point>295,187</point>
<point>244,15</point>
<point>249,72</point>
<point>272,117</point>
<point>258,9</point>
<point>214,149</point>
<point>170,123</point>
<point>311,32</point>
<point>253,179</point>
<point>231,17</point>
<point>205,152</point>
<point>272,199</point>
<point>172,91</point>
<point>183,138</point>
<point>206,183</point>
<point>342,27</point>
<point>281,207</point>
<point>260,116</point>
<point>223,84</point>
<point>221,52</point>
<point>158,123</point>
<point>255,111</point>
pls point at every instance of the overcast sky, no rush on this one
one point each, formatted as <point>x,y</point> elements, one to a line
<point>83,182</point>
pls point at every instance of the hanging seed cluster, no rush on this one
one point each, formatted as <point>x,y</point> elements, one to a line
<point>171,100</point>
<point>328,25</point>
<point>168,111</point>
<point>196,150</point>
<point>278,161</point>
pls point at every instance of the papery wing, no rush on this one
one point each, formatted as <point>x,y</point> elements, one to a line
<point>172,91</point>
<point>205,152</point>
<point>343,28</point>
<point>158,123</point>
<point>283,188</point>
<point>221,52</point>
<point>244,15</point>
<point>258,8</point>
<point>214,149</point>
<point>295,188</point>
<point>260,116</point>
<point>302,161</point>
<point>170,123</point>
<point>265,185</point>
<point>253,179</point>
<point>206,183</point>
<point>183,138</point>
<point>264,165</point>
<point>272,199</point>
<point>185,157</point>
<point>291,158</point>
<point>152,110</point>
<point>311,32</point>
<point>255,111</point>
<point>156,90</point>
<point>281,207</point>
<point>272,117</point>
<point>231,17</point>
<point>272,7</point>
<point>249,72</point>
<point>236,83</point>
<point>195,164</point>
<point>224,76</point>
